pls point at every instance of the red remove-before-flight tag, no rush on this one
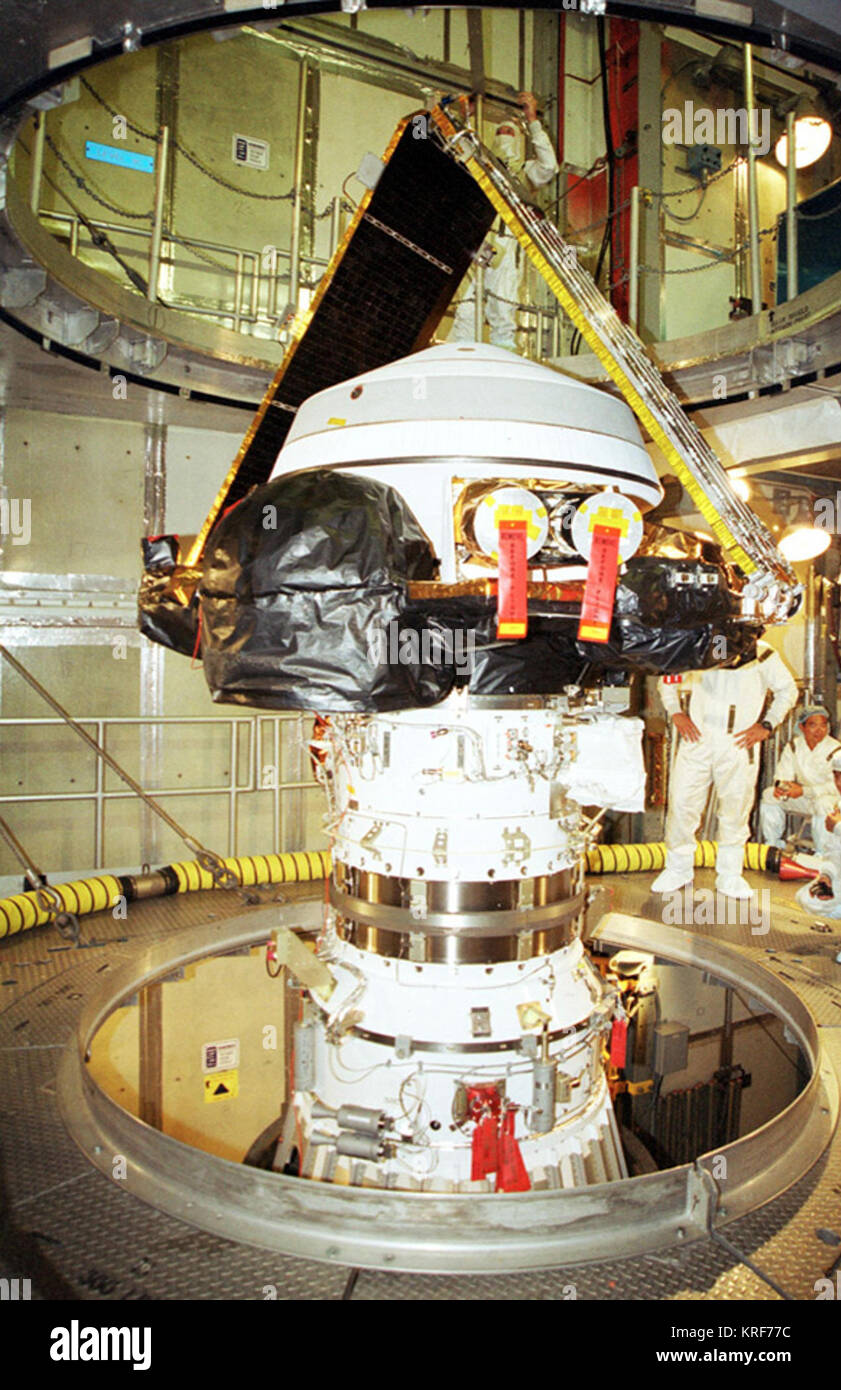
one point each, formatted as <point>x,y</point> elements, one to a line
<point>513,1174</point>
<point>600,585</point>
<point>512,597</point>
<point>485,1149</point>
<point>618,1042</point>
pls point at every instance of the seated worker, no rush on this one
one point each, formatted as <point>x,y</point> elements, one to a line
<point>803,779</point>
<point>823,895</point>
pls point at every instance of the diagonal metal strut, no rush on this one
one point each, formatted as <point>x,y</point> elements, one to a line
<point>772,590</point>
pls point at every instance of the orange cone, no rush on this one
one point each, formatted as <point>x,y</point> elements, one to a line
<point>791,869</point>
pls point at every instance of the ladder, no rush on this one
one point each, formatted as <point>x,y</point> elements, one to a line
<point>771,592</point>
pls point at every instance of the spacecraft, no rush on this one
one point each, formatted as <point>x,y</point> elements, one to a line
<point>448,564</point>
<point>465,1036</point>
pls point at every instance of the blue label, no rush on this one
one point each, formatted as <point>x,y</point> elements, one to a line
<point>127,159</point>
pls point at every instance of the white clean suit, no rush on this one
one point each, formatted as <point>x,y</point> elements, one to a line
<point>502,277</point>
<point>811,768</point>
<point>721,703</point>
<point>828,842</point>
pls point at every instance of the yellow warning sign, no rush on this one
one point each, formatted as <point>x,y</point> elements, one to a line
<point>221,1085</point>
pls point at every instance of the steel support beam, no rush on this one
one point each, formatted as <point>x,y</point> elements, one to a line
<point>651,309</point>
<point>152,656</point>
<point>791,210</point>
<point>753,191</point>
<point>150,1083</point>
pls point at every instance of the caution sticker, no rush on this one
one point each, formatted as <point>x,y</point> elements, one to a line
<point>222,1085</point>
<point>220,1056</point>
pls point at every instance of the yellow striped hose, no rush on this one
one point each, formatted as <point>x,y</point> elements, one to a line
<point>87,895</point>
<point>624,859</point>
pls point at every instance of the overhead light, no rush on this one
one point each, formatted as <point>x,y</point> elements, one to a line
<point>740,486</point>
<point>812,135</point>
<point>804,542</point>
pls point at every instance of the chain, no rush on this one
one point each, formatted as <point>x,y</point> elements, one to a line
<point>222,876</point>
<point>199,252</point>
<point>500,298</point>
<point>81,183</point>
<point>213,863</point>
<point>98,237</point>
<point>693,188</point>
<point>547,309</point>
<point>66,923</point>
<point>232,187</point>
<point>719,260</point>
<point>684,269</point>
<point>579,231</point>
<point>188,154</point>
<point>673,193</point>
<point>118,115</point>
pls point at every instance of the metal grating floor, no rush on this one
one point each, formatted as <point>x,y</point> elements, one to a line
<point>78,1236</point>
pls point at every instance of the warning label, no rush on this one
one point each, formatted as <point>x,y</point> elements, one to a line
<point>220,1056</point>
<point>253,153</point>
<point>600,585</point>
<point>221,1086</point>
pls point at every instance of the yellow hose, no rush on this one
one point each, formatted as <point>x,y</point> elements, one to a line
<point>87,895</point>
<point>623,859</point>
<point>302,866</point>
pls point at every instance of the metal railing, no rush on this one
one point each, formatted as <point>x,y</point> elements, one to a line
<point>256,282</point>
<point>255,275</point>
<point>246,774</point>
<point>252,300</point>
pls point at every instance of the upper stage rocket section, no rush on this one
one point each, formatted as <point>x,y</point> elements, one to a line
<point>409,245</point>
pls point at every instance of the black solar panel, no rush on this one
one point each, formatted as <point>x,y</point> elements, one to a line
<point>382,297</point>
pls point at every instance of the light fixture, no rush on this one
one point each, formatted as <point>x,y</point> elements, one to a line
<point>801,542</point>
<point>740,486</point>
<point>812,135</point>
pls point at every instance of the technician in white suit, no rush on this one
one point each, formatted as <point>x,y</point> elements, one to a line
<point>803,778</point>
<point>502,277</point>
<point>718,715</point>
<point>823,896</point>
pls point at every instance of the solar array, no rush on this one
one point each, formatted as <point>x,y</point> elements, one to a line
<point>408,247</point>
